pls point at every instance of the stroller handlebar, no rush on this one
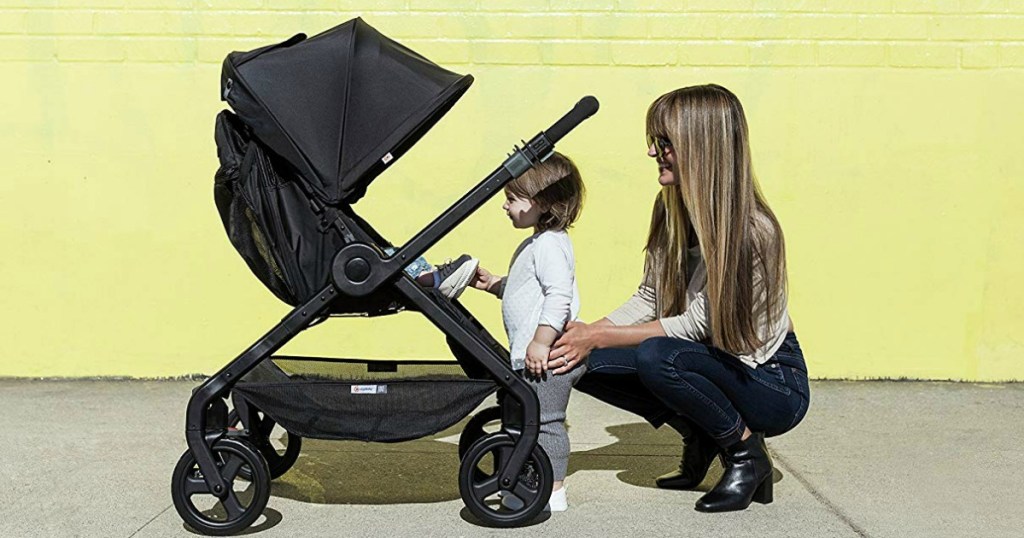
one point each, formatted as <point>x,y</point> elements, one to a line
<point>585,108</point>
<point>540,147</point>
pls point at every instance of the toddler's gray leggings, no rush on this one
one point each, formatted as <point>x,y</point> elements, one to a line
<point>553,393</point>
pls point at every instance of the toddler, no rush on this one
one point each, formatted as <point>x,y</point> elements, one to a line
<point>539,296</point>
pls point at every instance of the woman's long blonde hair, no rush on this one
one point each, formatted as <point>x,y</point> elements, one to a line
<point>719,201</point>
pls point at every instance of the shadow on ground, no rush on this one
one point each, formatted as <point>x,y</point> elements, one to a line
<point>425,471</point>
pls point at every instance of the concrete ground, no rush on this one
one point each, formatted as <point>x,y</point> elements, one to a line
<point>872,459</point>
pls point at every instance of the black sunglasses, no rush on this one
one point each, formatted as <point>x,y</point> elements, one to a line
<point>660,143</point>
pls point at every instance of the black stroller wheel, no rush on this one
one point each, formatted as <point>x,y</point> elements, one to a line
<point>480,473</point>
<point>475,428</point>
<point>278,462</point>
<point>245,500</point>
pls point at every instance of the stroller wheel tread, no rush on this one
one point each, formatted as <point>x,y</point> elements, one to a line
<point>474,429</point>
<point>481,470</point>
<point>238,509</point>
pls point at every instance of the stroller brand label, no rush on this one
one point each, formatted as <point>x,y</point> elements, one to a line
<point>369,389</point>
<point>387,158</point>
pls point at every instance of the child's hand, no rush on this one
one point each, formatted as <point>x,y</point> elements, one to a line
<point>484,280</point>
<point>537,358</point>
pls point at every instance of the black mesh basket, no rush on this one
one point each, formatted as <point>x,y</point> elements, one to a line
<point>381,401</point>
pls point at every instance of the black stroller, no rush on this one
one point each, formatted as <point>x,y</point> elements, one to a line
<point>315,121</point>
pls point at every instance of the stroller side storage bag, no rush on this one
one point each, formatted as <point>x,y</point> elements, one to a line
<point>270,221</point>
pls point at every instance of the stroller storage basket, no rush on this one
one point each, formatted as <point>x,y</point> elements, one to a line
<point>364,400</point>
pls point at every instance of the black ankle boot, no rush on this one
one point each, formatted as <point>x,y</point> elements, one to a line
<point>699,451</point>
<point>747,477</point>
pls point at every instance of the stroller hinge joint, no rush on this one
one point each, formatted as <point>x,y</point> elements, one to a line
<point>358,269</point>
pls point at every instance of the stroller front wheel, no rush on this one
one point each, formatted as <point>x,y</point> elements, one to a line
<point>480,474</point>
<point>246,497</point>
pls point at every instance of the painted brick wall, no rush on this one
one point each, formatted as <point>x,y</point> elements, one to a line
<point>885,135</point>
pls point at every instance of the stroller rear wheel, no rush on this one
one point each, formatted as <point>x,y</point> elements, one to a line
<point>245,499</point>
<point>475,428</point>
<point>278,462</point>
<point>480,473</point>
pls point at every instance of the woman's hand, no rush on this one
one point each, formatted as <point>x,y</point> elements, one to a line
<point>537,358</point>
<point>573,347</point>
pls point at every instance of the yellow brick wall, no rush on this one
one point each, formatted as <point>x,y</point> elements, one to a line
<point>886,134</point>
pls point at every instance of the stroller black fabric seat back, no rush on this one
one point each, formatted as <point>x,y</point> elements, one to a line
<point>315,121</point>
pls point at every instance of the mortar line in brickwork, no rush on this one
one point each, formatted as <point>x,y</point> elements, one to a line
<point>731,66</point>
<point>542,41</point>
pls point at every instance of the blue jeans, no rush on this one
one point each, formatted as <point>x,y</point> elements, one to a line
<point>665,378</point>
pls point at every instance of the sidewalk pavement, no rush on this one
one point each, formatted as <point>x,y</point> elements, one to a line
<point>872,459</point>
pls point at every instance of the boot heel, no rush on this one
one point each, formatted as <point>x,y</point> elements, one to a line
<point>763,494</point>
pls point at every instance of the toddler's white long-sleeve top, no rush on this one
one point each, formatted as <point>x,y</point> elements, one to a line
<point>540,289</point>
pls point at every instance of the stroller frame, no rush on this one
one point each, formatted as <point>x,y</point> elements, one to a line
<point>360,268</point>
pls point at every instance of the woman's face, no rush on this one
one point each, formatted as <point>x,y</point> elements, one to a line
<point>660,149</point>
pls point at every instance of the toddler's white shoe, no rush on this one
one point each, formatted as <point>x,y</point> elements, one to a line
<point>558,501</point>
<point>451,278</point>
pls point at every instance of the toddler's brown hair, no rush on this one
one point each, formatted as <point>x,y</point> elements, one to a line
<point>557,186</point>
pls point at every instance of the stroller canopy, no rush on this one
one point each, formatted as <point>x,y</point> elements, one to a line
<point>340,106</point>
